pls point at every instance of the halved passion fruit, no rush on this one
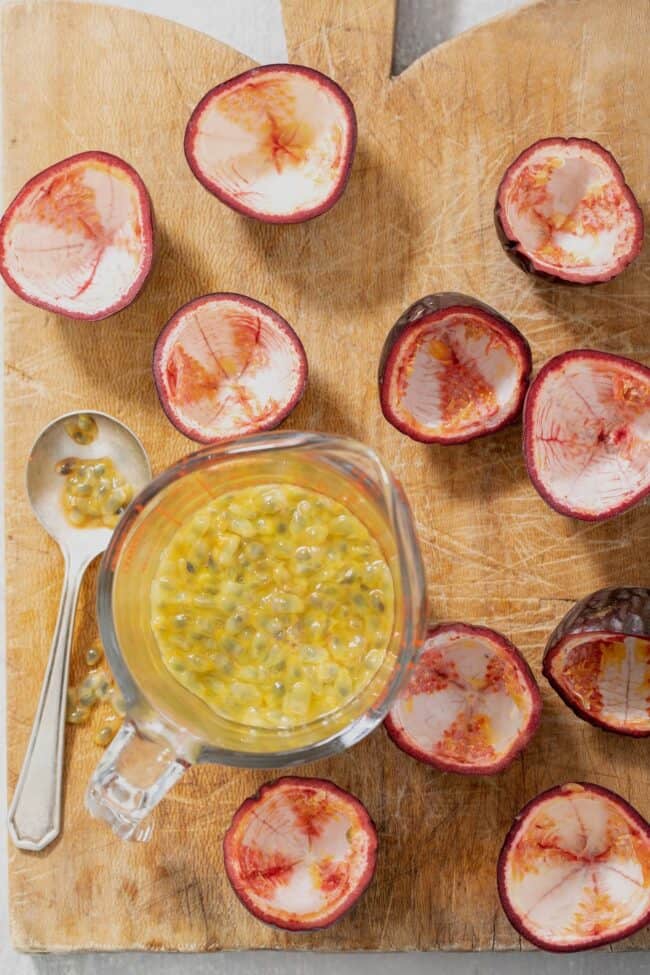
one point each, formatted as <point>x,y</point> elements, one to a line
<point>471,704</point>
<point>78,238</point>
<point>587,433</point>
<point>225,366</point>
<point>452,369</point>
<point>300,853</point>
<point>564,211</point>
<point>275,143</point>
<point>598,660</point>
<point>574,870</point>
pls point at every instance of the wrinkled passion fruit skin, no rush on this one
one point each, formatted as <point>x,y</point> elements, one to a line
<point>617,610</point>
<point>511,245</point>
<point>441,301</point>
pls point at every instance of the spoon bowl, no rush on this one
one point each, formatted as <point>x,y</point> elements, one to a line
<point>44,484</point>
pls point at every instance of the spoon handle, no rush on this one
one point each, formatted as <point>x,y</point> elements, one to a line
<point>35,811</point>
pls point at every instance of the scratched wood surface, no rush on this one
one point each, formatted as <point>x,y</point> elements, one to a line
<point>416,218</point>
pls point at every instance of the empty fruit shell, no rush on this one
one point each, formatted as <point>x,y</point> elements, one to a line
<point>225,366</point>
<point>564,211</point>
<point>78,238</point>
<point>587,433</point>
<point>471,704</point>
<point>275,143</point>
<point>598,660</point>
<point>574,870</point>
<point>300,853</point>
<point>452,369</point>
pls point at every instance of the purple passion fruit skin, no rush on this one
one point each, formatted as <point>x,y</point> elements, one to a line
<point>77,239</point>
<point>226,366</point>
<point>572,872</point>
<point>565,213</point>
<point>598,660</point>
<point>471,704</point>
<point>300,853</point>
<point>452,369</point>
<point>585,439</point>
<point>275,143</point>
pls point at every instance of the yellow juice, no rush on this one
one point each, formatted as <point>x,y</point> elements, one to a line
<point>273,604</point>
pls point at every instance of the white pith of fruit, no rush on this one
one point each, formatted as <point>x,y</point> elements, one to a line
<point>76,238</point>
<point>565,206</point>
<point>228,368</point>
<point>607,675</point>
<point>454,376</point>
<point>293,869</point>
<point>590,433</point>
<point>577,869</point>
<point>467,703</point>
<point>277,143</point>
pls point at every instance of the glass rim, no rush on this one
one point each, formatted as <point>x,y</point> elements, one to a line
<point>414,595</point>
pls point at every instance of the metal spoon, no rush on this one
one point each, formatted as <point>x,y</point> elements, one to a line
<point>35,812</point>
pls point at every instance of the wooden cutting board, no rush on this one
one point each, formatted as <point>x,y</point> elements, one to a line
<point>416,218</point>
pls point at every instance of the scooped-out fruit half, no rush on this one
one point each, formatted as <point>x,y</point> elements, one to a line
<point>275,143</point>
<point>452,369</point>
<point>471,704</point>
<point>574,870</point>
<point>564,211</point>
<point>598,660</point>
<point>78,238</point>
<point>226,365</point>
<point>300,853</point>
<point>587,433</point>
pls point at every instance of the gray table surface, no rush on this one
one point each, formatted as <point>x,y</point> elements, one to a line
<point>255,28</point>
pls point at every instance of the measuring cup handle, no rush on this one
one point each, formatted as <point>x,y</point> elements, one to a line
<point>137,770</point>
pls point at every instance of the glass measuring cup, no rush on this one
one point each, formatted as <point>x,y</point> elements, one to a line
<point>167,728</point>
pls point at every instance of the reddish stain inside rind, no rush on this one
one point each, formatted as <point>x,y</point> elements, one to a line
<point>585,425</point>
<point>226,365</point>
<point>574,870</point>
<point>452,369</point>
<point>78,237</point>
<point>564,211</point>
<point>300,853</point>
<point>275,143</point>
<point>598,660</point>
<point>451,712</point>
